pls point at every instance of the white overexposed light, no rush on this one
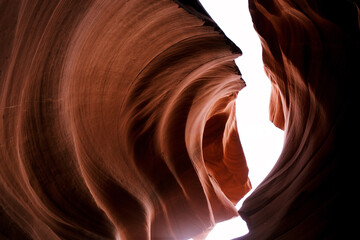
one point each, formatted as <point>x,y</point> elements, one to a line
<point>261,140</point>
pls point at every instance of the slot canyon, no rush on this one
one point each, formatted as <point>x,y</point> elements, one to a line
<point>118,120</point>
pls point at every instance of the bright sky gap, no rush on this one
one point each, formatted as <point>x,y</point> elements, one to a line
<point>261,140</point>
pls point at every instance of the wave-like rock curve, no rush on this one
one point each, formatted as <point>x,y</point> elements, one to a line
<point>311,54</point>
<point>117,120</point>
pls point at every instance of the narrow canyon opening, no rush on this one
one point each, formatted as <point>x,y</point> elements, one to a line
<point>262,142</point>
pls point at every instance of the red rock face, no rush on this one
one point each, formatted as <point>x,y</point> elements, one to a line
<point>117,120</point>
<point>311,55</point>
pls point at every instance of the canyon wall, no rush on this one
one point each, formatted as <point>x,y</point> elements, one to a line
<point>117,120</point>
<point>311,52</point>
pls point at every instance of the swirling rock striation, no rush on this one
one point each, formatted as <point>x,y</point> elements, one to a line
<point>117,120</point>
<point>311,54</point>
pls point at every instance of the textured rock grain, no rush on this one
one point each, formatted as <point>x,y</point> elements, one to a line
<point>311,54</point>
<point>117,120</point>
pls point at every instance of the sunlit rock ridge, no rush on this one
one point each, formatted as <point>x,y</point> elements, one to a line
<point>311,55</point>
<point>117,120</point>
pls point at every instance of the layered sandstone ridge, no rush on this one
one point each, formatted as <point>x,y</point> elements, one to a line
<point>311,52</point>
<point>117,120</point>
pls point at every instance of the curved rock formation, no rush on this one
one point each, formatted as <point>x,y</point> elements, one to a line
<point>311,54</point>
<point>117,120</point>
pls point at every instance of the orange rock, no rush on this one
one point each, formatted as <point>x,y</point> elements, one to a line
<point>110,112</point>
<point>311,54</point>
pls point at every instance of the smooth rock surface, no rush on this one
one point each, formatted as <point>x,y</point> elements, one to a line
<point>311,53</point>
<point>117,120</point>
